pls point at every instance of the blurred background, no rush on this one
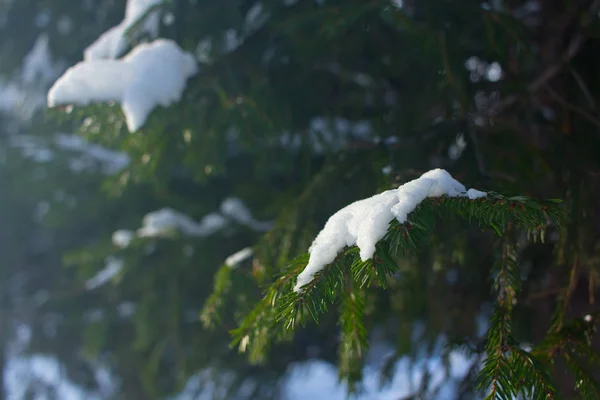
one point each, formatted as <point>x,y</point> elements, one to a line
<point>298,108</point>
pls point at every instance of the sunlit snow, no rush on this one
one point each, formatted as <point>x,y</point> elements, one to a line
<point>365,222</point>
<point>237,258</point>
<point>113,42</point>
<point>152,74</point>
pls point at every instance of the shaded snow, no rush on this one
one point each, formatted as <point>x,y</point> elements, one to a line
<point>152,74</point>
<point>113,42</point>
<point>235,259</point>
<point>166,221</point>
<point>112,269</point>
<point>318,380</point>
<point>365,222</point>
<point>87,156</point>
<point>161,222</point>
<point>122,238</point>
<point>456,149</point>
<point>111,162</point>
<point>23,96</point>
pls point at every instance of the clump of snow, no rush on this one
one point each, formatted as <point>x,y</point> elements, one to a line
<point>161,222</point>
<point>122,238</point>
<point>457,148</point>
<point>232,40</point>
<point>365,222</point>
<point>152,74</point>
<point>255,18</point>
<point>113,42</point>
<point>166,221</point>
<point>235,259</point>
<point>474,194</point>
<point>112,269</point>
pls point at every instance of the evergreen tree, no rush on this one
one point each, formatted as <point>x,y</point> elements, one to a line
<point>299,109</point>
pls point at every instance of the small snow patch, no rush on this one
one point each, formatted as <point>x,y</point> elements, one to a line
<point>161,222</point>
<point>112,269</point>
<point>235,259</point>
<point>166,221</point>
<point>122,238</point>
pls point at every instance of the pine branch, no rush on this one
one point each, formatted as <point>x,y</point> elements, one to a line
<point>283,309</point>
<point>528,369</point>
<point>353,342</point>
<point>496,373</point>
<point>210,315</point>
<point>584,382</point>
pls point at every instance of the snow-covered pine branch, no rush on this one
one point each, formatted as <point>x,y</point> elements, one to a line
<point>365,222</point>
<point>361,245</point>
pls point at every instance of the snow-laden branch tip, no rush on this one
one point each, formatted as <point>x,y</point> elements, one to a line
<point>113,42</point>
<point>365,222</point>
<point>152,74</point>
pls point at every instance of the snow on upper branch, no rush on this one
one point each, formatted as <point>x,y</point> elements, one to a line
<point>113,42</point>
<point>152,74</point>
<point>365,222</point>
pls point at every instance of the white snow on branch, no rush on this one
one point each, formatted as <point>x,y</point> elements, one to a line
<point>112,269</point>
<point>152,74</point>
<point>113,42</point>
<point>236,258</point>
<point>162,222</point>
<point>365,222</point>
<point>167,221</point>
<point>122,238</point>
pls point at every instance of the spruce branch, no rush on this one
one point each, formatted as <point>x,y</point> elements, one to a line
<point>496,374</point>
<point>527,368</point>
<point>584,381</point>
<point>345,280</point>
<point>353,342</point>
<point>210,314</point>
